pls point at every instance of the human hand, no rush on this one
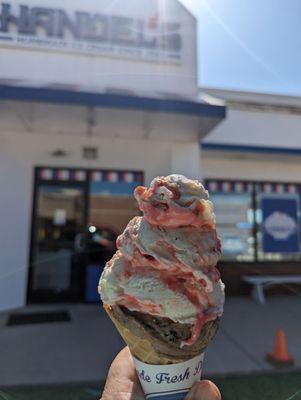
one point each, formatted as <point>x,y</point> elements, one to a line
<point>204,390</point>
<point>123,383</point>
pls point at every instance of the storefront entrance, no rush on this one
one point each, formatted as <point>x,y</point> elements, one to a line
<point>77,215</point>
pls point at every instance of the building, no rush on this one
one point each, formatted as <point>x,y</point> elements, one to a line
<point>94,100</point>
<point>251,164</point>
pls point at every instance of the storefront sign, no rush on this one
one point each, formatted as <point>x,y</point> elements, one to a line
<point>150,39</point>
<point>280,224</point>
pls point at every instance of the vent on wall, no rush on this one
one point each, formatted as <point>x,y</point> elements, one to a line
<point>90,153</point>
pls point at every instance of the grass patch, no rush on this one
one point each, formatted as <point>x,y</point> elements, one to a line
<point>276,386</point>
<point>59,392</point>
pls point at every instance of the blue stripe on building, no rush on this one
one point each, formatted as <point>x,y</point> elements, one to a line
<point>250,149</point>
<point>111,101</point>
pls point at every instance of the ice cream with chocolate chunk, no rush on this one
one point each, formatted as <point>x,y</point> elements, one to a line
<point>162,285</point>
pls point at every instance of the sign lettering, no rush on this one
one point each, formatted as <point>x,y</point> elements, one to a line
<point>58,29</point>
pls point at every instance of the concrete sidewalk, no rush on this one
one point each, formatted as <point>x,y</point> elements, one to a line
<point>247,332</point>
<point>81,350</point>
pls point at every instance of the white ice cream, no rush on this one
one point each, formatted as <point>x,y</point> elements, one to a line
<point>145,288</point>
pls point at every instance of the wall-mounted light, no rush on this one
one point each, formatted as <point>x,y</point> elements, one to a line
<point>59,153</point>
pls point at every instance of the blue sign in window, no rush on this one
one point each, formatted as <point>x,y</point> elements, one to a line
<point>280,223</point>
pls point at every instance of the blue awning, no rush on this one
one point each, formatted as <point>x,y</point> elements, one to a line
<point>69,97</point>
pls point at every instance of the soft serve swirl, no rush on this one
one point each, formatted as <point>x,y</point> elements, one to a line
<point>165,263</point>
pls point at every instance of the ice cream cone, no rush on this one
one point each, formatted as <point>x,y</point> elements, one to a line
<point>139,347</point>
<point>162,289</point>
<point>147,348</point>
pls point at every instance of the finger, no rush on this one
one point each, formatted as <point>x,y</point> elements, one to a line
<point>204,390</point>
<point>122,381</point>
<point>123,365</point>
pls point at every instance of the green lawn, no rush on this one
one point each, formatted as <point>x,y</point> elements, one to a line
<point>61,392</point>
<point>277,386</point>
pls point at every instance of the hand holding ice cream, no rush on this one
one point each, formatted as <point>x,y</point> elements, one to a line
<point>162,289</point>
<point>123,383</point>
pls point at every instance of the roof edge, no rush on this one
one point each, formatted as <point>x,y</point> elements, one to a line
<point>68,97</point>
<point>186,9</point>
<point>250,149</point>
<point>243,96</point>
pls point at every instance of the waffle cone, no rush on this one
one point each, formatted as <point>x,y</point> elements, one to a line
<point>142,346</point>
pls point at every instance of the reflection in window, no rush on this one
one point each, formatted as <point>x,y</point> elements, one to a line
<point>60,214</point>
<point>112,204</point>
<point>234,217</point>
<point>59,219</point>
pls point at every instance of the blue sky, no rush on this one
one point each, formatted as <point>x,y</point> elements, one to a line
<point>249,44</point>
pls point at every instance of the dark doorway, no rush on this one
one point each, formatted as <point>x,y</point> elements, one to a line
<point>59,216</point>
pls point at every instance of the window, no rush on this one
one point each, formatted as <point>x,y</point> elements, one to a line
<point>234,217</point>
<point>112,204</point>
<point>239,218</point>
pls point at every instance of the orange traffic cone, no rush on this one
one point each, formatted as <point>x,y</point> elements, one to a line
<point>279,356</point>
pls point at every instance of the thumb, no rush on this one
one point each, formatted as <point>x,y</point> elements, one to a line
<point>204,390</point>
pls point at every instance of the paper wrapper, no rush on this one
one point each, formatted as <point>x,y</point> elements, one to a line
<point>169,382</point>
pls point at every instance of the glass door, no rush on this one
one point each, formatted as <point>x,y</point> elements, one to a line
<point>77,215</point>
<point>59,217</point>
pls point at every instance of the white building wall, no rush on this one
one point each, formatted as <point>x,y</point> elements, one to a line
<point>185,159</point>
<point>258,128</point>
<point>247,166</point>
<point>259,120</point>
<point>15,228</point>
